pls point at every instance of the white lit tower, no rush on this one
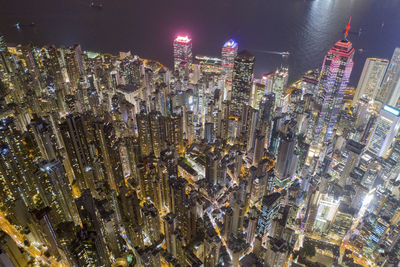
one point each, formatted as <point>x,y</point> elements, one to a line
<point>386,128</point>
<point>280,82</point>
<point>228,54</point>
<point>333,80</point>
<point>371,78</point>
<point>390,90</point>
<point>182,50</point>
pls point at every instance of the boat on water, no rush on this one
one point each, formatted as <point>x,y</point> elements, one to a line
<point>94,5</point>
<point>19,26</point>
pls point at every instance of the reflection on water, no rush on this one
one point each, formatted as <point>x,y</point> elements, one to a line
<point>306,28</point>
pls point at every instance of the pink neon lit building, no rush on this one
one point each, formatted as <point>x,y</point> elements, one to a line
<point>182,50</point>
<point>333,80</point>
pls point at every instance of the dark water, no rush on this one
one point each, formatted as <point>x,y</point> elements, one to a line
<point>306,28</point>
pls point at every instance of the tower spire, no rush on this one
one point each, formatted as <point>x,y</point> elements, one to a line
<point>347,29</point>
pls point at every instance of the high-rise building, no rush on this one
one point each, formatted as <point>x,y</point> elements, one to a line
<point>144,132</point>
<point>228,54</point>
<point>74,135</point>
<point>287,160</point>
<point>3,45</point>
<point>390,90</point>
<point>4,55</point>
<point>265,116</point>
<point>211,167</point>
<point>354,149</point>
<point>257,93</point>
<point>268,80</point>
<point>182,50</point>
<point>386,128</point>
<point>280,82</point>
<point>83,249</point>
<point>16,165</point>
<point>242,81</point>
<point>269,210</point>
<point>371,78</point>
<point>55,192</point>
<point>334,77</point>
<point>327,207</point>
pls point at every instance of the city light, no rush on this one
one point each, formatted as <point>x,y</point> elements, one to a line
<point>231,44</point>
<point>198,160</point>
<point>183,39</point>
<point>392,110</point>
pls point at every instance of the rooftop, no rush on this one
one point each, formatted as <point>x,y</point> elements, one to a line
<point>183,39</point>
<point>231,44</point>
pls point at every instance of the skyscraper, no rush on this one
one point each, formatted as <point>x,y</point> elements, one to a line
<point>228,54</point>
<point>4,60</point>
<point>16,166</point>
<point>334,77</point>
<point>182,50</point>
<point>386,128</point>
<point>242,80</point>
<point>371,78</point>
<point>265,116</point>
<point>3,45</point>
<point>390,90</point>
<point>268,80</point>
<point>280,82</point>
<point>287,160</point>
<point>144,134</point>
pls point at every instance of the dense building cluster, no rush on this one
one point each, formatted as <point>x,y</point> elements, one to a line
<point>115,160</point>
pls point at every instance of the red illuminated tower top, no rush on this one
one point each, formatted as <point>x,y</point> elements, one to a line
<point>347,29</point>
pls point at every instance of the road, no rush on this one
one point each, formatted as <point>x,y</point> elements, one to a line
<point>19,238</point>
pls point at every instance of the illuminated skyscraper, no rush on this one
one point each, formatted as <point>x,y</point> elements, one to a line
<point>390,89</point>
<point>55,191</point>
<point>242,81</point>
<point>83,249</point>
<point>258,93</point>
<point>287,160</point>
<point>386,128</point>
<point>144,131</point>
<point>211,167</point>
<point>3,45</point>
<point>268,80</point>
<point>280,82</point>
<point>228,54</point>
<point>269,210</point>
<point>74,131</point>
<point>4,55</point>
<point>182,50</point>
<point>334,77</point>
<point>265,116</point>
<point>16,165</point>
<point>371,78</point>
<point>353,150</point>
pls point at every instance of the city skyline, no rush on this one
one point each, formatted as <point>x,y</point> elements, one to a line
<point>286,26</point>
<point>118,160</point>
